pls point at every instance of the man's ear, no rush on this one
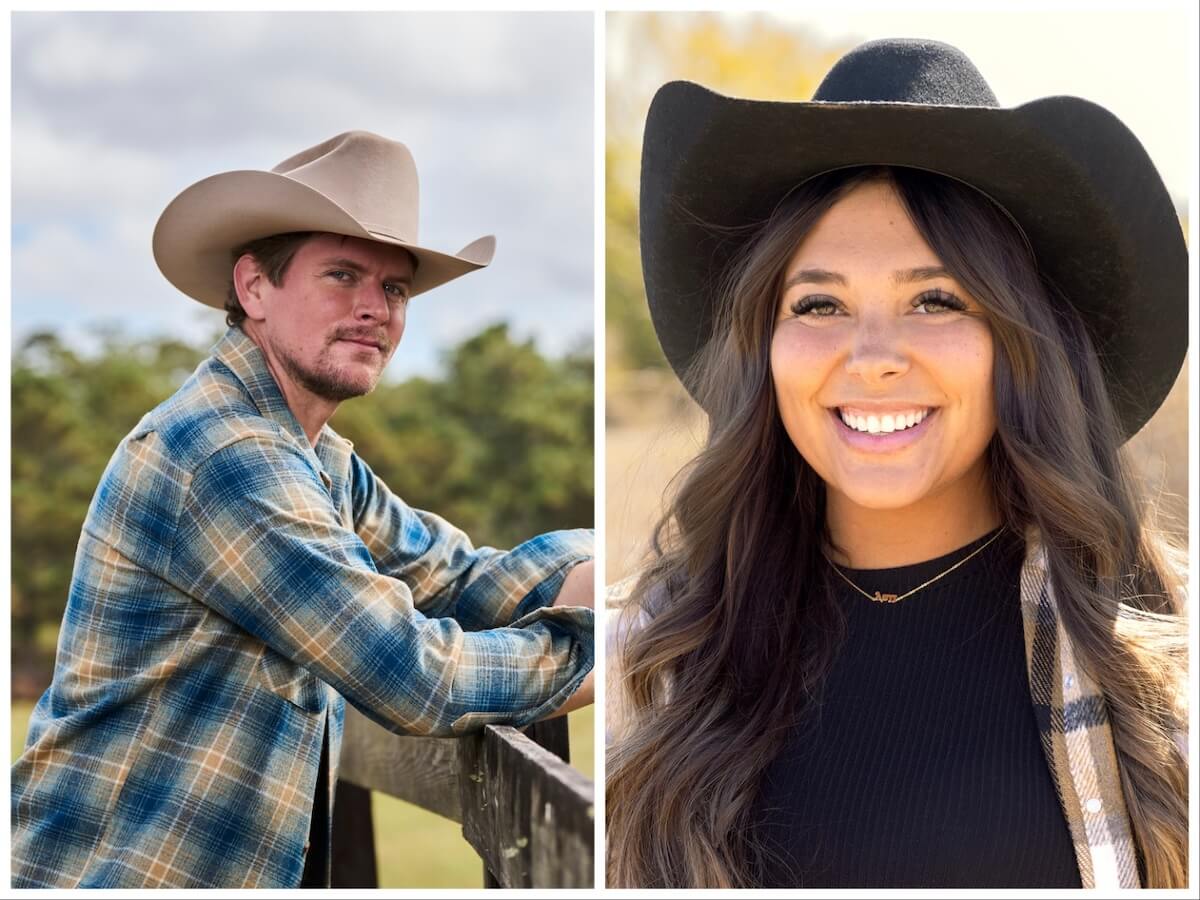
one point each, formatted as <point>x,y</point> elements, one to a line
<point>250,282</point>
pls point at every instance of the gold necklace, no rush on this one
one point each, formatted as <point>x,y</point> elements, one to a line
<point>892,598</point>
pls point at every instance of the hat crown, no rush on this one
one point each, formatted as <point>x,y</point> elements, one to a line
<point>899,70</point>
<point>372,178</point>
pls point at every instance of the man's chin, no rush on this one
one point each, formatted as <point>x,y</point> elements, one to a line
<point>339,387</point>
<point>349,390</point>
<point>339,394</point>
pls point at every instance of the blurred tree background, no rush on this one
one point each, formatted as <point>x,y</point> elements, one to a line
<point>501,445</point>
<point>753,57</point>
<point>652,426</point>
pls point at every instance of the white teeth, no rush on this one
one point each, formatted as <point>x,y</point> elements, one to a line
<point>885,424</point>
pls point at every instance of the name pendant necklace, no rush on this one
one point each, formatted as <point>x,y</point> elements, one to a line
<point>879,597</point>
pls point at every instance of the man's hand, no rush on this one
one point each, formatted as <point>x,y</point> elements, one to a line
<point>579,588</point>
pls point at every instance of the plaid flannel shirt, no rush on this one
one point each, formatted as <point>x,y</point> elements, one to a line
<point>232,584</point>
<point>1072,720</point>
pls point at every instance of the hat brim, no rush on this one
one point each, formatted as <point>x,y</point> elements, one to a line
<point>199,229</point>
<point>1075,179</point>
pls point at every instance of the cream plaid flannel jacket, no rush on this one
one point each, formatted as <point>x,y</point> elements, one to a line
<point>1073,722</point>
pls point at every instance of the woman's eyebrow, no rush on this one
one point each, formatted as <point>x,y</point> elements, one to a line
<point>902,276</point>
<point>921,273</point>
<point>815,276</point>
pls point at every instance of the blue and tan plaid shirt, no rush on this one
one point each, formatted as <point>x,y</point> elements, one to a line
<point>232,584</point>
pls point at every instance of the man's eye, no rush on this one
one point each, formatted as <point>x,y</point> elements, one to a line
<point>340,275</point>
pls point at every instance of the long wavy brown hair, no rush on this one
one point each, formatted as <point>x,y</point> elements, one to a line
<point>729,631</point>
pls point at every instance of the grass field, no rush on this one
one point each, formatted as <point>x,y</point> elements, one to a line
<point>414,848</point>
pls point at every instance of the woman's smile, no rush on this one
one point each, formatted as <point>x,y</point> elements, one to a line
<point>879,431</point>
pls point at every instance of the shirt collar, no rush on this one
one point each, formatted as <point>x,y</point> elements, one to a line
<point>238,352</point>
<point>243,357</point>
<point>334,452</point>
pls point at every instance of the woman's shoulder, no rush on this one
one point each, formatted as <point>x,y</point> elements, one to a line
<point>627,613</point>
<point>630,606</point>
<point>616,595</point>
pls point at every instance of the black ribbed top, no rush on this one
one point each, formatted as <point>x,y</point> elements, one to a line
<point>922,767</point>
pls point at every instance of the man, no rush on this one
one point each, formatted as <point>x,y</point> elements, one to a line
<point>241,570</point>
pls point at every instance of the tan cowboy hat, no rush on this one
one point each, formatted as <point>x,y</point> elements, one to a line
<point>357,183</point>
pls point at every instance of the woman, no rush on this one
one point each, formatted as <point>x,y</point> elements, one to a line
<point>905,624</point>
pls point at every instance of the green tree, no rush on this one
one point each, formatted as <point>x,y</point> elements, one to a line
<point>68,413</point>
<point>501,445</point>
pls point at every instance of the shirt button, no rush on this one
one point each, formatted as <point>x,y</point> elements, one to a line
<point>1094,805</point>
<point>1070,681</point>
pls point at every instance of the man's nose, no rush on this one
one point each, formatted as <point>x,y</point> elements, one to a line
<point>371,302</point>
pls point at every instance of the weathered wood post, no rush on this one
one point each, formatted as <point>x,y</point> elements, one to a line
<point>523,809</point>
<point>554,735</point>
<point>527,813</point>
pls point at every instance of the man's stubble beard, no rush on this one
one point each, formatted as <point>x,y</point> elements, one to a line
<point>325,381</point>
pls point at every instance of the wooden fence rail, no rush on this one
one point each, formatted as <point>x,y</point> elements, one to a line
<point>526,812</point>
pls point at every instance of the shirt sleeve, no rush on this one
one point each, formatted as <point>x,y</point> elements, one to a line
<point>259,541</point>
<point>478,587</point>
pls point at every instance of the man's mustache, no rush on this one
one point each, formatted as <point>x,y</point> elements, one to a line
<point>378,338</point>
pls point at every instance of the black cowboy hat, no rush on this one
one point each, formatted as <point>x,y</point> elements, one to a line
<point>1072,176</point>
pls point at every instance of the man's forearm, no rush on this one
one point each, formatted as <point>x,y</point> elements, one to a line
<point>585,696</point>
<point>578,588</point>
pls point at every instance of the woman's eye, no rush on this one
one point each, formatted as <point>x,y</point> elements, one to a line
<point>936,302</point>
<point>819,306</point>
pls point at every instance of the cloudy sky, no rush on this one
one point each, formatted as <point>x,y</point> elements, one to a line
<point>114,113</point>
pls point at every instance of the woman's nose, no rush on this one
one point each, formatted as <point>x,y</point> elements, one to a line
<point>877,354</point>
